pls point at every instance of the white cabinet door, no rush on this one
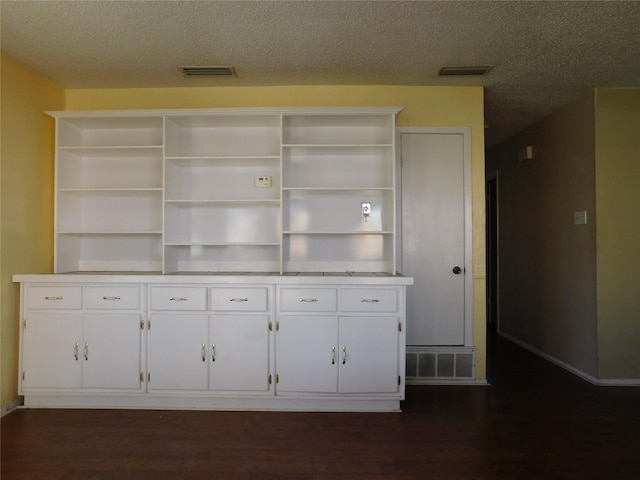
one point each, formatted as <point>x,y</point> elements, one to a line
<point>178,352</point>
<point>239,353</point>
<point>202,352</point>
<point>111,351</point>
<point>330,355</point>
<point>52,351</point>
<point>368,355</point>
<point>307,354</point>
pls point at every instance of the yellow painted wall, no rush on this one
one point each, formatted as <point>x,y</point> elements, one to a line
<point>618,231</point>
<point>422,106</point>
<point>26,201</point>
<point>432,106</point>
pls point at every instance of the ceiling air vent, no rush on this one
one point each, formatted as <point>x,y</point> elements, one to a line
<point>475,70</point>
<point>208,71</point>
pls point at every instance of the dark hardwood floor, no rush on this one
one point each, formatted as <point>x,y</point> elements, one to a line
<point>535,421</point>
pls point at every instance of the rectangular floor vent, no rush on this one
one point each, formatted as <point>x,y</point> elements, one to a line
<point>425,364</point>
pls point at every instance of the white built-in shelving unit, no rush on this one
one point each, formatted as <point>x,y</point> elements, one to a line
<point>222,259</point>
<point>216,219</point>
<point>109,193</point>
<point>226,190</point>
<point>332,165</point>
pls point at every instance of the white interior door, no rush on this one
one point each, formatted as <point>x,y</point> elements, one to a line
<point>434,214</point>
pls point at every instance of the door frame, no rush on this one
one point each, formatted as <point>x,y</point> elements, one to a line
<point>493,250</point>
<point>468,221</point>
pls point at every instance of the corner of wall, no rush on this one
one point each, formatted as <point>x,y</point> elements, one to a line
<point>26,191</point>
<point>618,215</point>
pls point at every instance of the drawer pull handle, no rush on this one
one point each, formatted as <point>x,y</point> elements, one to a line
<point>333,355</point>
<point>53,298</point>
<point>86,351</point>
<point>344,355</point>
<point>75,351</point>
<point>369,300</point>
<point>204,352</point>
<point>213,352</point>
<point>178,299</point>
<point>111,298</point>
<point>238,299</point>
<point>308,300</point>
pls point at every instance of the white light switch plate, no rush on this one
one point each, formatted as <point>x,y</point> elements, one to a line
<point>580,218</point>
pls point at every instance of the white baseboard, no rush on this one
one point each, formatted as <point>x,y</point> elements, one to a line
<point>608,382</point>
<point>619,382</point>
<point>200,401</point>
<point>10,407</point>
<point>478,382</point>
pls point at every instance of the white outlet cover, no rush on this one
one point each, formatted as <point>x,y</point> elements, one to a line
<point>262,181</point>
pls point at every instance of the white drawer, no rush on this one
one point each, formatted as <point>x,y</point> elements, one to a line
<point>178,298</point>
<point>239,299</point>
<point>369,300</point>
<point>308,299</point>
<point>112,297</point>
<point>54,298</point>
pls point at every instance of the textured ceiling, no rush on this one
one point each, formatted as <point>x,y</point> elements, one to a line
<point>545,53</point>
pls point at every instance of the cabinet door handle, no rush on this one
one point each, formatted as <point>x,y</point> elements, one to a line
<point>75,351</point>
<point>238,299</point>
<point>53,298</point>
<point>203,352</point>
<point>344,355</point>
<point>178,299</point>
<point>86,351</point>
<point>111,298</point>
<point>333,355</point>
<point>213,352</point>
<point>369,300</point>
<point>308,300</point>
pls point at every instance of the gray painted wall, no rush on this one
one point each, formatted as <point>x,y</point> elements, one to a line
<point>547,270</point>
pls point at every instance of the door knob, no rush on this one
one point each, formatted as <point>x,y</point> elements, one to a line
<point>457,270</point>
